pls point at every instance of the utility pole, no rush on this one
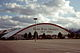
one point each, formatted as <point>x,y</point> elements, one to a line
<point>35,19</point>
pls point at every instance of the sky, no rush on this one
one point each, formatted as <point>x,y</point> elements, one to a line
<point>20,13</point>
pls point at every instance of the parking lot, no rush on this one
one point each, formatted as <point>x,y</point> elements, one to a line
<point>41,46</point>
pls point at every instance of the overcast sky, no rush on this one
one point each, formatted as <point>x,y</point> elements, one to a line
<point>20,13</point>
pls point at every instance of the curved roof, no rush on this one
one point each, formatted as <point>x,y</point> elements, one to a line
<point>10,34</point>
<point>16,32</point>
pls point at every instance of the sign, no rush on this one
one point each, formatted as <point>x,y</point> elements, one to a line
<point>46,30</point>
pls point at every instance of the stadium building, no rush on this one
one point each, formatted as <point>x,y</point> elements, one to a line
<point>45,29</point>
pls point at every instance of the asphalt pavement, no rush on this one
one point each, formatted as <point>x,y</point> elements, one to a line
<point>40,46</point>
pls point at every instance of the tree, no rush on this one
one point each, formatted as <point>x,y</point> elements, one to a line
<point>3,38</point>
<point>25,36</point>
<point>60,35</point>
<point>29,35</point>
<point>43,36</point>
<point>77,36</point>
<point>35,35</point>
<point>72,35</point>
<point>10,38</point>
<point>69,36</point>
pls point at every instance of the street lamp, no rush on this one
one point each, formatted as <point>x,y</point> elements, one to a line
<point>35,19</point>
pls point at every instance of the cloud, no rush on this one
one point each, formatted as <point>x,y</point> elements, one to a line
<point>7,22</point>
<point>14,22</point>
<point>23,19</point>
<point>12,5</point>
<point>51,11</point>
<point>55,3</point>
<point>27,11</point>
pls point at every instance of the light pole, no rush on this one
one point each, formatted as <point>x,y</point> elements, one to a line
<point>35,19</point>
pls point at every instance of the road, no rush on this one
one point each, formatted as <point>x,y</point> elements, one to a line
<point>41,46</point>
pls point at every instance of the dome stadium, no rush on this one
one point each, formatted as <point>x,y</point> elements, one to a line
<point>48,30</point>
